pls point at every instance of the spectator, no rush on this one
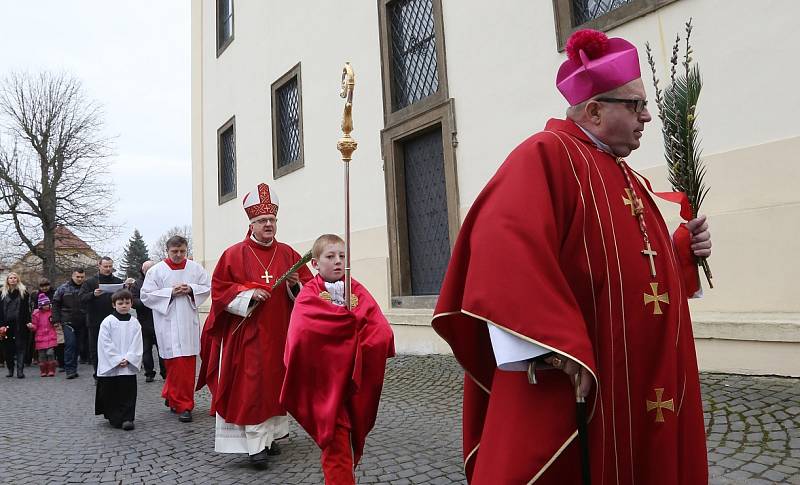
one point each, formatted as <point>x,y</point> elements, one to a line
<point>42,325</point>
<point>98,302</point>
<point>68,311</point>
<point>15,314</point>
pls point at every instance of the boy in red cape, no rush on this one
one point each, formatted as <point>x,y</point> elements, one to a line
<point>335,362</point>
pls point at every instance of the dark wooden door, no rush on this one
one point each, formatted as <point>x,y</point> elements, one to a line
<point>426,211</point>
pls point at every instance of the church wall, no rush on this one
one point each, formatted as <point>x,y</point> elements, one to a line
<point>501,61</point>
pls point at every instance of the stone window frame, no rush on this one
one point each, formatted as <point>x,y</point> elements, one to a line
<point>223,44</point>
<point>562,13</point>
<point>278,172</point>
<point>223,198</point>
<point>436,111</point>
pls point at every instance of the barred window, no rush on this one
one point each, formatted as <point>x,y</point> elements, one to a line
<point>226,156</point>
<point>586,10</point>
<point>572,15</point>
<point>224,24</point>
<point>287,123</point>
<point>415,73</point>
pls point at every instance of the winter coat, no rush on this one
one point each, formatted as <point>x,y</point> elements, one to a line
<point>97,307</point>
<point>67,307</point>
<point>43,328</point>
<point>15,313</point>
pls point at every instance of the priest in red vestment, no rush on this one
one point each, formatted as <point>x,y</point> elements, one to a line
<point>564,266</point>
<point>245,334</point>
<point>335,362</point>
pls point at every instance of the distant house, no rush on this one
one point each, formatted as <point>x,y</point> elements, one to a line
<point>71,251</point>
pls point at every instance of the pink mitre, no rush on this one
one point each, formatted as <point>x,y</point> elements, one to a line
<point>259,202</point>
<point>596,64</point>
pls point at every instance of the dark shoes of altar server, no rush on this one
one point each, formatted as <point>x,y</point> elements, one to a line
<point>273,450</point>
<point>149,378</point>
<point>185,417</point>
<point>128,425</point>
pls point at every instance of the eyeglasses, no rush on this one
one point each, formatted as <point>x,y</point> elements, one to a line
<point>263,222</point>
<point>638,104</point>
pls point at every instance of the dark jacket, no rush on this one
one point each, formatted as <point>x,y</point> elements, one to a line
<point>97,307</point>
<point>67,307</point>
<point>15,313</point>
<point>143,313</point>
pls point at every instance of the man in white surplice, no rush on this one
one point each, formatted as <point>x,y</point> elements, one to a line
<point>173,289</point>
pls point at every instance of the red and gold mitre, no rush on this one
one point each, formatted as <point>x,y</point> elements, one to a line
<point>259,202</point>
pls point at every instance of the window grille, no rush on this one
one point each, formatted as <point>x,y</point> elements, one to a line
<point>227,162</point>
<point>289,124</point>
<point>585,10</point>
<point>413,51</point>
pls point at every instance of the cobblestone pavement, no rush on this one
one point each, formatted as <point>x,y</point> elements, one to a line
<point>50,435</point>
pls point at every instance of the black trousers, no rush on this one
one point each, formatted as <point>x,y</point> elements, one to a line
<point>94,332</point>
<point>149,341</point>
<point>115,399</point>
<point>82,337</point>
<point>14,352</point>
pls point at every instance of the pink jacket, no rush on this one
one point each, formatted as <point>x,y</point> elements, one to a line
<point>45,333</point>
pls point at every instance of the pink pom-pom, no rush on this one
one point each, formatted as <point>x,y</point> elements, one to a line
<point>592,42</point>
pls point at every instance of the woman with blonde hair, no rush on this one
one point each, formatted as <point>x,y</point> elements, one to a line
<point>15,315</point>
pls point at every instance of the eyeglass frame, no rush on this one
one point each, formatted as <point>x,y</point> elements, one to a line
<point>639,105</point>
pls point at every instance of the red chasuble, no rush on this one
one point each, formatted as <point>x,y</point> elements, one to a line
<point>248,388</point>
<point>551,251</point>
<point>335,362</point>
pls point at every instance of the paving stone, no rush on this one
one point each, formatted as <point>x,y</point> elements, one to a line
<point>752,424</point>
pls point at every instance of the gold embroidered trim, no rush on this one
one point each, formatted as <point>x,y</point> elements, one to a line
<point>327,297</point>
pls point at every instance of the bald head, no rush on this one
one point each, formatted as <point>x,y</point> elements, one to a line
<point>147,265</point>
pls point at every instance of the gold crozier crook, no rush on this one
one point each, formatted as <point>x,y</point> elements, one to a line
<point>347,145</point>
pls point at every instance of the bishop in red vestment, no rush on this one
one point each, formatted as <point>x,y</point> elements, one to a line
<point>245,334</point>
<point>335,361</point>
<point>564,263</point>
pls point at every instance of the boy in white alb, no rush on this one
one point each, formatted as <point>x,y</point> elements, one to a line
<point>119,357</point>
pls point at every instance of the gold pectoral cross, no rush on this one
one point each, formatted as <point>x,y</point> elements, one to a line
<point>658,405</point>
<point>648,251</point>
<point>655,298</point>
<point>267,277</point>
<point>634,201</point>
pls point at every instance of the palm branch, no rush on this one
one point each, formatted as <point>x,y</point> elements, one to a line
<point>677,109</point>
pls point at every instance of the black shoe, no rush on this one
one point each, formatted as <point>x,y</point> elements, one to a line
<point>10,373</point>
<point>128,425</point>
<point>274,449</point>
<point>72,376</point>
<point>149,378</point>
<point>185,417</point>
<point>259,460</point>
<point>20,374</point>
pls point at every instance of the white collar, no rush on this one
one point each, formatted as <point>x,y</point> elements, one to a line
<point>597,141</point>
<point>266,245</point>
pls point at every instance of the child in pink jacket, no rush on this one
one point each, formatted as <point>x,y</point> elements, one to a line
<point>45,337</point>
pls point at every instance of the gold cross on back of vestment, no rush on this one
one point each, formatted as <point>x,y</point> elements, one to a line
<point>658,405</point>
<point>655,298</point>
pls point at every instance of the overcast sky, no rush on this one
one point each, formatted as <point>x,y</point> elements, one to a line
<point>133,57</point>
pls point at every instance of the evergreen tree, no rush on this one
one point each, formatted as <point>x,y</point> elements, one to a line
<point>135,254</point>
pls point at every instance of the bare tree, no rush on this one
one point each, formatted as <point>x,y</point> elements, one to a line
<point>158,250</point>
<point>53,164</point>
